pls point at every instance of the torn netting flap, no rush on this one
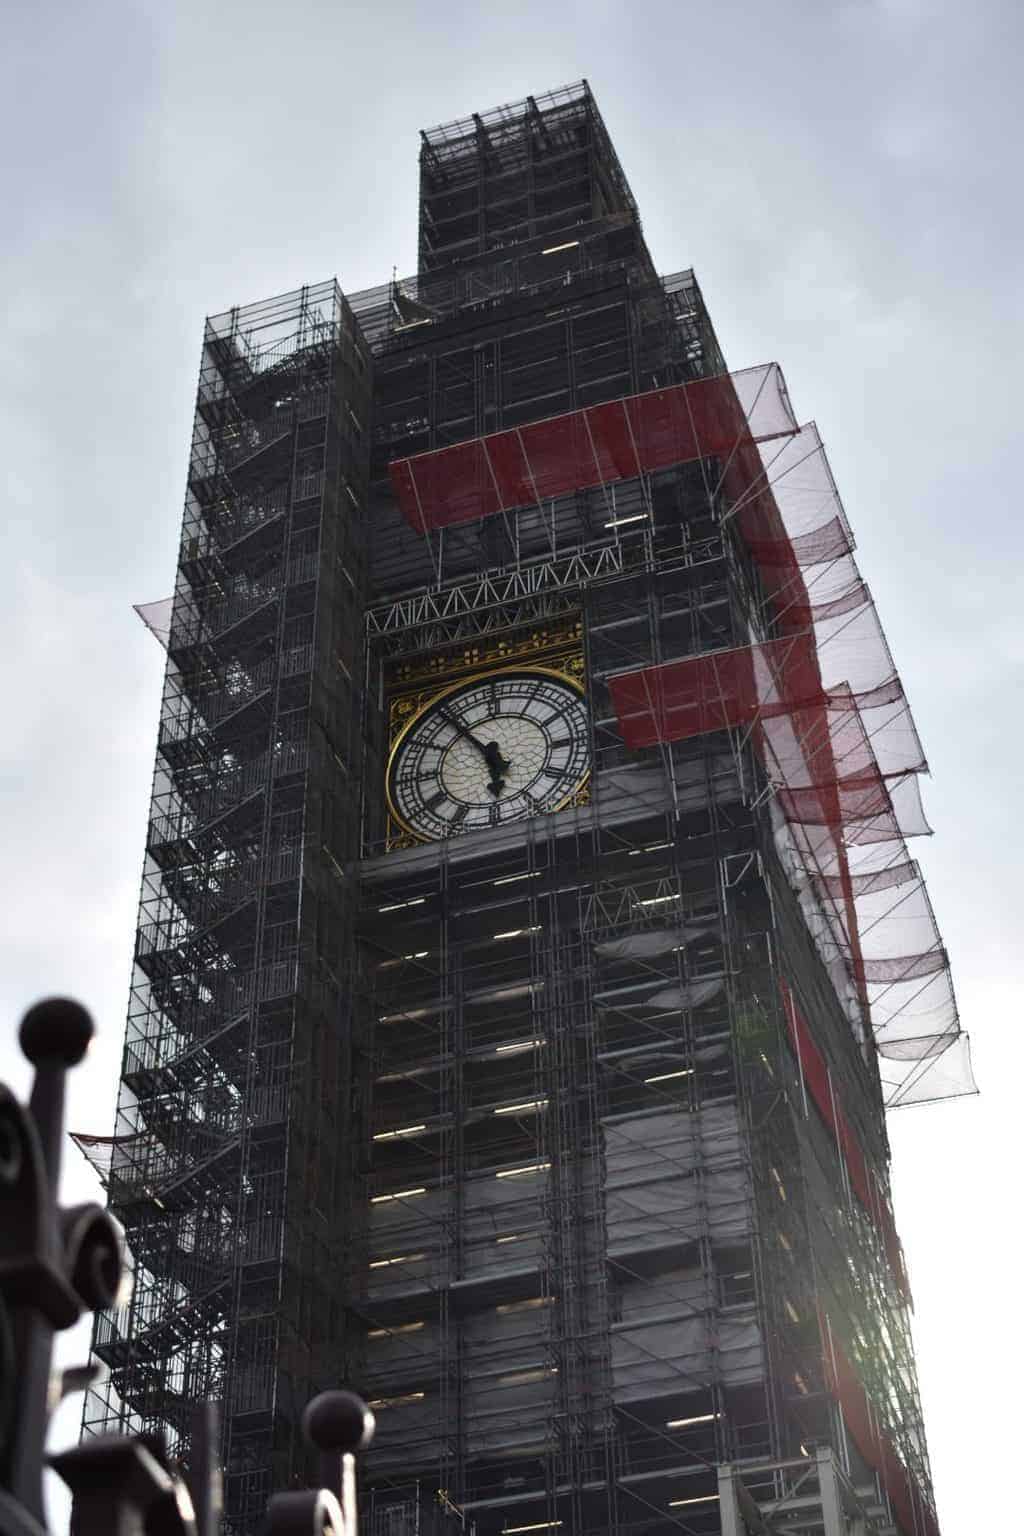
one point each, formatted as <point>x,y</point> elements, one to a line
<point>157,618</point>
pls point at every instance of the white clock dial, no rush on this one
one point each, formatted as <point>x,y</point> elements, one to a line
<point>490,751</point>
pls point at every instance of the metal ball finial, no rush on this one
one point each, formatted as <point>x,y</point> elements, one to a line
<point>56,1029</point>
<point>338,1423</point>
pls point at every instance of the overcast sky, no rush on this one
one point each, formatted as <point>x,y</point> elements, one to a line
<point>844,175</point>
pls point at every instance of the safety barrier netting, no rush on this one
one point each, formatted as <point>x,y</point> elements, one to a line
<point>821,699</point>
<point>601,444</point>
<point>824,706</point>
<point>914,1513</point>
<point>869,1187</point>
<point>157,618</point>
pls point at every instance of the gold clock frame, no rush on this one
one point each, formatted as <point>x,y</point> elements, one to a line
<point>408,707</point>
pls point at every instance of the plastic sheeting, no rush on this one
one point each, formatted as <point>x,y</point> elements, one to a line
<point>683,1354</point>
<point>691,994</point>
<point>410,1229</point>
<point>650,942</point>
<point>653,1197</point>
<point>674,1178</point>
<point>602,444</point>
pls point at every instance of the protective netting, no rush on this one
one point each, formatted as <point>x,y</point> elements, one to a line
<point>617,440</point>
<point>157,618</point>
<point>825,708</point>
<point>108,1154</point>
<point>914,1513</point>
<point>828,1100</point>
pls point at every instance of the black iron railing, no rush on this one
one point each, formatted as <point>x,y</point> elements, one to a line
<point>58,1263</point>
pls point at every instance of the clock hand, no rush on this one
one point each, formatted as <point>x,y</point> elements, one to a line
<point>458,726</point>
<point>498,765</point>
<point>490,752</point>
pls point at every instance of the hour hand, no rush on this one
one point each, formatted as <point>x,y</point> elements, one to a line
<point>498,765</point>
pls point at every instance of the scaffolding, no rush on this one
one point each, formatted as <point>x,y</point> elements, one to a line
<point>563,1141</point>
<point>234,1063</point>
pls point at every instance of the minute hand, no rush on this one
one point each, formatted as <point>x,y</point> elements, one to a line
<point>491,752</point>
<point>457,725</point>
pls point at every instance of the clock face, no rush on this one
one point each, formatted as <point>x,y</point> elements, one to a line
<point>490,751</point>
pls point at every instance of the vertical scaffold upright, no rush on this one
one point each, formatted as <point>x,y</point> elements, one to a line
<point>549,1113</point>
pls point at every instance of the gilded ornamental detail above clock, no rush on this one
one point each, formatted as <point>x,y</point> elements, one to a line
<point>493,747</point>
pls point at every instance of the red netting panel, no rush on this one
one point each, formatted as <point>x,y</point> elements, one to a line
<point>599,445</point>
<point>821,544</point>
<point>715,690</point>
<point>864,1180</point>
<point>867,814</point>
<point>838,740</point>
<point>914,1513</point>
<point>157,618</point>
<point>718,689</point>
<point>882,920</point>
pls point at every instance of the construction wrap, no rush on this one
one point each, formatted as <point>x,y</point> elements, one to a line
<point>617,440</point>
<point>915,1515</point>
<point>824,707</point>
<point>827,1099</point>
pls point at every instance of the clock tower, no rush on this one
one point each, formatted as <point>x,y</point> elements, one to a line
<point>507,1038</point>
